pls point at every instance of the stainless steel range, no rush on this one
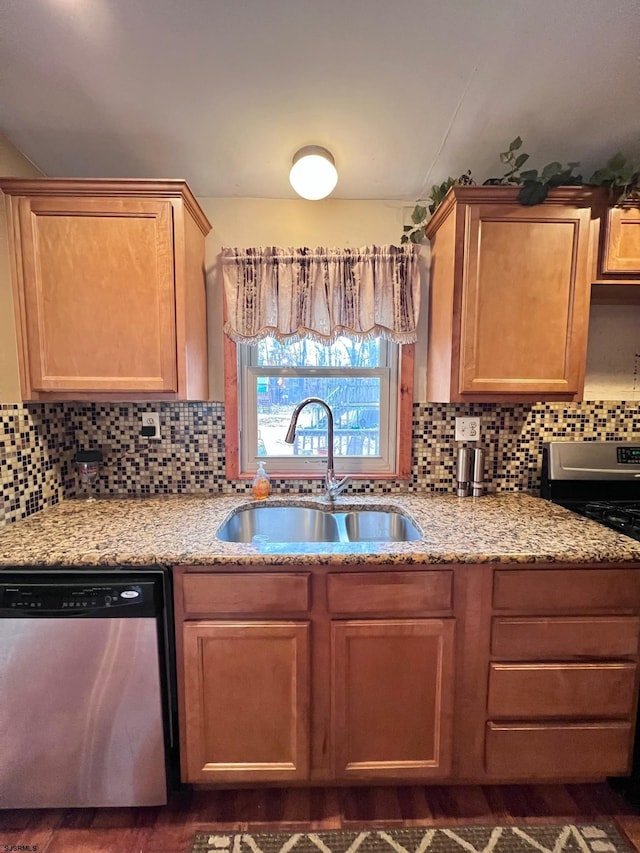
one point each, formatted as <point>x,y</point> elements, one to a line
<point>598,479</point>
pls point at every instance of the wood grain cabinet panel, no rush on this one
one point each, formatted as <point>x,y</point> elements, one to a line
<point>392,698</point>
<point>467,673</point>
<point>532,751</point>
<point>109,289</point>
<point>509,295</point>
<point>557,638</point>
<point>620,248</point>
<point>394,593</point>
<point>253,593</point>
<point>535,690</point>
<point>565,591</point>
<point>246,701</point>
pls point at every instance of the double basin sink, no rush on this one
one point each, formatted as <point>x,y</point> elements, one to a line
<point>287,524</point>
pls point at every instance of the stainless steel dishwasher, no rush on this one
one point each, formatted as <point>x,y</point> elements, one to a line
<point>84,689</point>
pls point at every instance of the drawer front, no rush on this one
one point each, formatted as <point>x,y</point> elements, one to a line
<point>528,691</point>
<point>557,751</point>
<point>394,593</point>
<point>557,638</point>
<point>250,593</point>
<point>566,591</point>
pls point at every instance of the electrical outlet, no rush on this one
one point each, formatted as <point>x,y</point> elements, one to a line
<point>151,420</point>
<point>467,429</point>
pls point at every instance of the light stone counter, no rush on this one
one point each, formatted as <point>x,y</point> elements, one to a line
<point>503,528</point>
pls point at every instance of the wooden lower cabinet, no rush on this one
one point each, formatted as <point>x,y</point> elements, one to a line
<point>562,673</point>
<point>469,673</point>
<point>392,698</point>
<point>246,692</point>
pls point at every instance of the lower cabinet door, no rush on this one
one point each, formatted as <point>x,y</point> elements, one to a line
<point>246,701</point>
<point>392,698</point>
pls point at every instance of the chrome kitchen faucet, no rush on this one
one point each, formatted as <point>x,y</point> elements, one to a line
<point>333,486</point>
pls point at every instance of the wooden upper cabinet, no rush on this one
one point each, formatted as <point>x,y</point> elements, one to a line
<point>109,289</point>
<point>509,296</point>
<point>619,256</point>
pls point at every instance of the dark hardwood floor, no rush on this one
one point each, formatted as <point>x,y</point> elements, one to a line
<point>169,829</point>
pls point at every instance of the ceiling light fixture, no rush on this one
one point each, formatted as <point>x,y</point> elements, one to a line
<point>313,174</point>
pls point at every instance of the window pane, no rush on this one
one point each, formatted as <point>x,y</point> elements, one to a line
<point>343,352</point>
<point>355,403</point>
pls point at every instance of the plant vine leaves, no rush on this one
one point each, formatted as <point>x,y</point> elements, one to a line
<point>620,176</point>
<point>419,214</point>
<point>533,192</point>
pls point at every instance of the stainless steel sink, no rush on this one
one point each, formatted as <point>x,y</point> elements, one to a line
<point>288,524</point>
<point>280,524</point>
<point>379,526</point>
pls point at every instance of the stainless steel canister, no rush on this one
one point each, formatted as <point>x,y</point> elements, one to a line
<point>477,476</point>
<point>463,471</point>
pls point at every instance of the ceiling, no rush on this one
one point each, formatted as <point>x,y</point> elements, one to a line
<point>403,92</point>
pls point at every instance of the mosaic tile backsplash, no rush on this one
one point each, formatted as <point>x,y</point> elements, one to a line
<point>38,441</point>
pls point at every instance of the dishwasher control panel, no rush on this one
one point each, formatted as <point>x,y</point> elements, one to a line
<point>39,599</point>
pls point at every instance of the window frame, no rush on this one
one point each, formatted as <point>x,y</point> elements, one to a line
<point>400,465</point>
<point>304,466</point>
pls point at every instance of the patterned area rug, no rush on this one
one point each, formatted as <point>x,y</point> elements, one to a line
<point>550,838</point>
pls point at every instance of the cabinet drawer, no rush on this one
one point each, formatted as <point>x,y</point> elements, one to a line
<point>558,590</point>
<point>406,593</point>
<point>557,638</point>
<point>558,751</point>
<point>526,691</point>
<point>252,593</point>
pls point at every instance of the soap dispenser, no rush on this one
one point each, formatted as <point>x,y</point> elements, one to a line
<point>261,485</point>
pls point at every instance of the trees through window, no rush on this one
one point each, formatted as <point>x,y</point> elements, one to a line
<point>358,379</point>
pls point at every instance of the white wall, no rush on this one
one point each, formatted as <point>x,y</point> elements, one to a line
<point>613,359</point>
<point>12,165</point>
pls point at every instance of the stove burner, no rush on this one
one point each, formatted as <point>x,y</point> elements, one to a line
<point>597,509</point>
<point>624,516</point>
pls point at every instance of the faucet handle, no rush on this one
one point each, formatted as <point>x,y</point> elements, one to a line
<point>334,487</point>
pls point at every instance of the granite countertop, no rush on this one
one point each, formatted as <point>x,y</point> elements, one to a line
<point>503,528</point>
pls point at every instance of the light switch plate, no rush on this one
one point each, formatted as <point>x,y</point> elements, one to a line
<point>467,429</point>
<point>152,419</point>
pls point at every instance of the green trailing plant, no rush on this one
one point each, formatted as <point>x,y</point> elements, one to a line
<point>534,185</point>
<point>513,161</point>
<point>414,233</point>
<point>619,175</point>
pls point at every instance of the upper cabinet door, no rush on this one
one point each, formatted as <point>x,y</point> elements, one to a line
<point>620,252</point>
<point>509,296</point>
<point>109,288</point>
<point>98,290</point>
<point>525,300</point>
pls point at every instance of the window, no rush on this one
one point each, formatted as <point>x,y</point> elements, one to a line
<point>279,303</point>
<point>357,379</point>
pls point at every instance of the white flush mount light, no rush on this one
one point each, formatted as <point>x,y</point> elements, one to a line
<point>313,174</point>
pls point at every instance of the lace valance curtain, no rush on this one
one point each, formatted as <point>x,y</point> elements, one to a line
<point>321,293</point>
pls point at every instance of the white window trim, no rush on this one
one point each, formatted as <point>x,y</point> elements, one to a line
<point>308,466</point>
